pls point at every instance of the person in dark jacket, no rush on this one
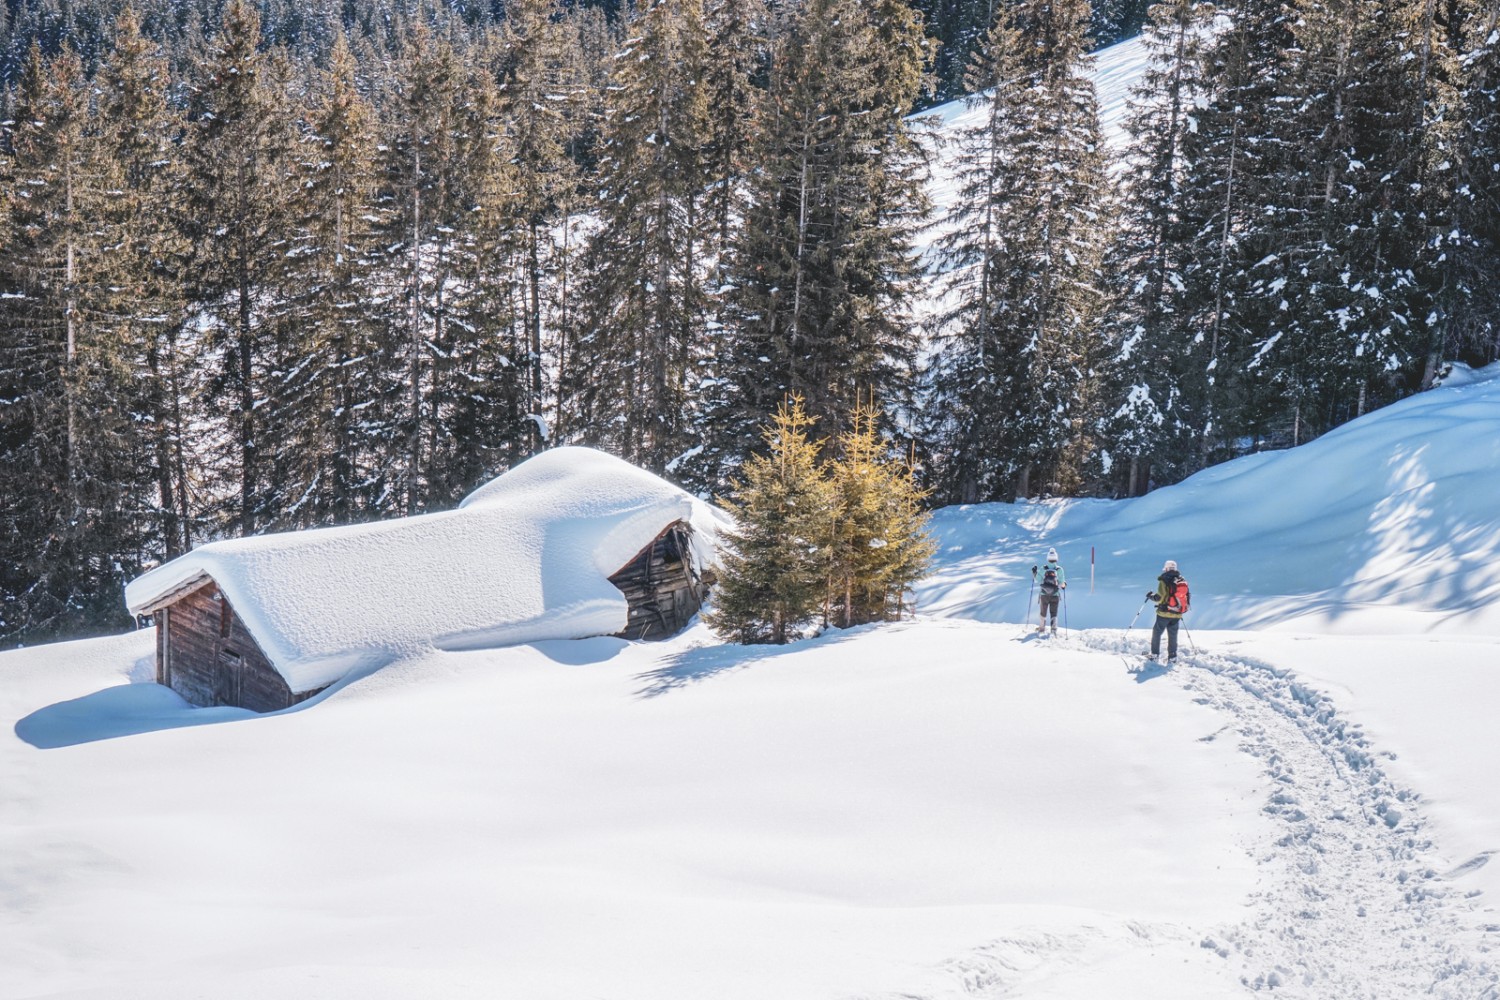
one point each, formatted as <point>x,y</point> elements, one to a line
<point>1166,620</point>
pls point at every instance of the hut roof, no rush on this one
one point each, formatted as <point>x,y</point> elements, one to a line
<point>526,557</point>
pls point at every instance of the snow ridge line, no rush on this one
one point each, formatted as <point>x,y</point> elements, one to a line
<point>1353,906</point>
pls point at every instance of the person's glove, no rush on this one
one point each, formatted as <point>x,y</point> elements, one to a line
<point>1063,586</point>
<point>1151,596</point>
<point>1033,571</point>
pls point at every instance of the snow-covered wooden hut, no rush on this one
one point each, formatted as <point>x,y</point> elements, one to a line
<point>570,544</point>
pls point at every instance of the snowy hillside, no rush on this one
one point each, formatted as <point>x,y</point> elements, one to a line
<point>923,810</point>
<point>1388,524</point>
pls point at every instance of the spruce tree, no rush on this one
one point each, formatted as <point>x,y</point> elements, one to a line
<point>446,181</point>
<point>1342,276</point>
<point>646,305</point>
<point>878,543</point>
<point>141,131</point>
<point>71,456</point>
<point>1158,405</point>
<point>542,95</point>
<point>331,468</point>
<point>774,579</point>
<point>236,213</point>
<point>1223,194</point>
<point>1476,261</point>
<point>823,265</point>
<point>1023,261</point>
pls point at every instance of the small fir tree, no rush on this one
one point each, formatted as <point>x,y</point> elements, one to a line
<point>879,544</point>
<point>773,583</point>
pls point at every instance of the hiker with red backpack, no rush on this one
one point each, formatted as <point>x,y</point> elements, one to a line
<point>1053,581</point>
<point>1172,600</point>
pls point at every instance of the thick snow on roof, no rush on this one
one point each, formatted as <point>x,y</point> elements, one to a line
<point>526,557</point>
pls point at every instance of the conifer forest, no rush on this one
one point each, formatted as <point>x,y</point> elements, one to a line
<point>277,264</point>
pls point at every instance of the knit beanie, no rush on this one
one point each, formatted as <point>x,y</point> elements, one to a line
<point>1170,567</point>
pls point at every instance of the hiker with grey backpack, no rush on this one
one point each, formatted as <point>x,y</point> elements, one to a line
<point>1051,582</point>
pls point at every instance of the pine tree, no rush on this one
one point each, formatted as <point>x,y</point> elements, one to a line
<point>141,132</point>
<point>1222,198</point>
<point>235,212</point>
<point>823,264</point>
<point>647,309</point>
<point>542,95</point>
<point>445,180</point>
<point>773,583</point>
<point>1024,261</point>
<point>331,468</point>
<point>1476,302</point>
<point>1345,245</point>
<point>70,452</point>
<point>879,546</point>
<point>1159,403</point>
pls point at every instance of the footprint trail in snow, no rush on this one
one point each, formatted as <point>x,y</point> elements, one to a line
<point>1358,903</point>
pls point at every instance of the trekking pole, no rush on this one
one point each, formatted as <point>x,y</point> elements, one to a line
<point>1189,633</point>
<point>1065,610</point>
<point>1029,591</point>
<point>1126,634</point>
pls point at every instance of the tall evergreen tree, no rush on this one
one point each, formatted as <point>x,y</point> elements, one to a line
<point>1024,260</point>
<point>141,132</point>
<point>1345,252</point>
<point>1158,403</point>
<point>332,369</point>
<point>823,264</point>
<point>647,307</point>
<point>1222,199</point>
<point>543,97</point>
<point>1476,300</point>
<point>70,452</point>
<point>444,180</point>
<point>236,212</point>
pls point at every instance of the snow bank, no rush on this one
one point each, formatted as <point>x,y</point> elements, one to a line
<point>1388,524</point>
<point>526,557</point>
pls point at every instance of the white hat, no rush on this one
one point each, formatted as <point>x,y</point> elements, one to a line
<point>1171,566</point>
<point>1052,555</point>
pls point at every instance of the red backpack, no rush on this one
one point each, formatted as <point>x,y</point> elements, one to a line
<point>1178,600</point>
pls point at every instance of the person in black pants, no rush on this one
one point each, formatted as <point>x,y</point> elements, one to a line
<point>1169,610</point>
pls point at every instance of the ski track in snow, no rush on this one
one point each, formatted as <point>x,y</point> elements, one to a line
<point>1356,903</point>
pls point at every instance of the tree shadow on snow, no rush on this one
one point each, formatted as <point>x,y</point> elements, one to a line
<point>703,662</point>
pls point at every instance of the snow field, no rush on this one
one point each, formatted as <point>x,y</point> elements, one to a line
<point>882,810</point>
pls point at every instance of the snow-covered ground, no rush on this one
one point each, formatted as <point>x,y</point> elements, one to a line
<point>929,809</point>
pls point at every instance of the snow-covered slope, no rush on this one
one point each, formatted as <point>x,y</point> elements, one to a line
<point>1388,524</point>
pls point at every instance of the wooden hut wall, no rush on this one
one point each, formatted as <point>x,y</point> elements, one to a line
<point>206,654</point>
<point>661,585</point>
